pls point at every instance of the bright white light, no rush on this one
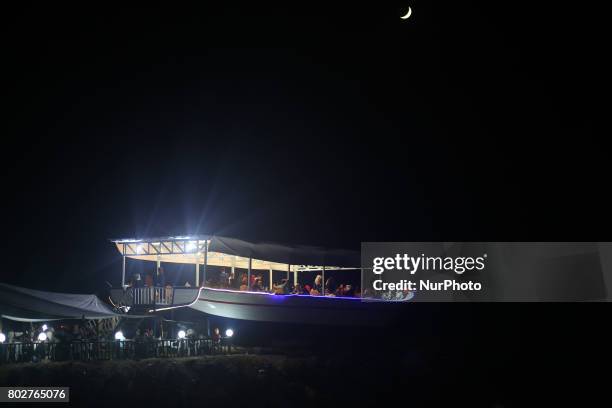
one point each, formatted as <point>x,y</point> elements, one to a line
<point>183,237</point>
<point>2,338</point>
<point>42,337</point>
<point>181,334</point>
<point>44,327</point>
<point>229,333</point>
<point>119,335</point>
<point>139,249</point>
<point>190,246</point>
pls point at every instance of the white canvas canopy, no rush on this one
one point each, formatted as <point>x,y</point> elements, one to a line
<point>29,305</point>
<point>231,252</point>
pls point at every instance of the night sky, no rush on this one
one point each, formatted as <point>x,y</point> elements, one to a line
<point>320,124</point>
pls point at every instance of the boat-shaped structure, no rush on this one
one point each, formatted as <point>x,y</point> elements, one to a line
<point>247,259</point>
<point>302,309</point>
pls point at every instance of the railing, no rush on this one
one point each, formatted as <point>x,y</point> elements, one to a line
<point>111,350</point>
<point>152,295</point>
<point>26,352</point>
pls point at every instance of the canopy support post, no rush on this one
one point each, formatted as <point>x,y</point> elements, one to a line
<point>197,274</point>
<point>295,277</point>
<point>323,282</point>
<point>233,280</point>
<point>123,272</point>
<point>288,271</point>
<point>361,283</point>
<point>271,283</point>
<point>249,273</point>
<point>205,262</point>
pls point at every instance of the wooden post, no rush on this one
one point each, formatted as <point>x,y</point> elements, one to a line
<point>123,274</point>
<point>249,273</point>
<point>205,262</point>
<point>234,272</point>
<point>323,282</point>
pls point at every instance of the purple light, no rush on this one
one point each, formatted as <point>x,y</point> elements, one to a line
<point>283,296</point>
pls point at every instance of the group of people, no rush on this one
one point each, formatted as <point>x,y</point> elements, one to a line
<point>285,287</point>
<point>149,280</point>
<point>226,280</point>
<point>330,288</point>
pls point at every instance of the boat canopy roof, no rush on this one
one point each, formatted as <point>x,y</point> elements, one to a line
<point>230,252</point>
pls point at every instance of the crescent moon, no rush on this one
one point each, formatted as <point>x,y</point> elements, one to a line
<point>408,14</point>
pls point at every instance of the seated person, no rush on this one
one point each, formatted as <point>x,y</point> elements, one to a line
<point>281,288</point>
<point>161,277</point>
<point>243,283</point>
<point>330,284</point>
<point>137,280</point>
<point>257,285</point>
<point>318,282</point>
<point>216,336</point>
<point>297,290</point>
<point>223,277</point>
<point>316,287</point>
<point>168,293</point>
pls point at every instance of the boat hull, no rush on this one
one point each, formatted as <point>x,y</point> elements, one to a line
<point>300,309</point>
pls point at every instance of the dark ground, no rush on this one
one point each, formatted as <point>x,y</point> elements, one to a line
<point>442,355</point>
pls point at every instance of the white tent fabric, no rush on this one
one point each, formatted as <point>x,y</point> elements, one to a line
<point>294,255</point>
<point>231,252</point>
<point>29,305</point>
